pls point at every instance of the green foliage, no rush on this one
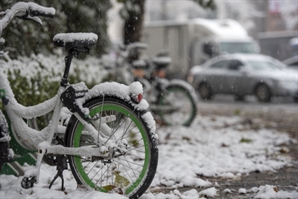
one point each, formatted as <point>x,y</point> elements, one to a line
<point>30,91</point>
<point>26,37</point>
<point>245,140</point>
<point>237,111</point>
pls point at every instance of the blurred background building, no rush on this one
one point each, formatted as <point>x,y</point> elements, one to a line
<point>273,23</point>
<point>280,27</point>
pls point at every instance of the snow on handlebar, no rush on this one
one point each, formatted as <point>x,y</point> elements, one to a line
<point>37,10</point>
<point>25,10</point>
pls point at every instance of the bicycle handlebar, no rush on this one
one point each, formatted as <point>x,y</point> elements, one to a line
<point>25,10</point>
<point>37,10</point>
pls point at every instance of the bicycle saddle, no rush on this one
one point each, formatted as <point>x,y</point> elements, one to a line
<point>76,41</point>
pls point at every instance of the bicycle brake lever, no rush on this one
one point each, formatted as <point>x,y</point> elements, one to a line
<point>36,19</point>
<point>28,17</point>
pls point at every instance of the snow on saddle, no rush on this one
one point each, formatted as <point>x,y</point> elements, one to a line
<point>75,41</point>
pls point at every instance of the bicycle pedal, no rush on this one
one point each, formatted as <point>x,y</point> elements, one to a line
<point>28,182</point>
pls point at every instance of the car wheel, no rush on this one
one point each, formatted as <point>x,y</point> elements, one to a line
<point>296,99</point>
<point>262,92</point>
<point>205,91</point>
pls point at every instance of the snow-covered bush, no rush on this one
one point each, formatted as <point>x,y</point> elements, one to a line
<point>36,78</point>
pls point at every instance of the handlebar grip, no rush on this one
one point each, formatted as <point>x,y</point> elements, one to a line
<point>36,10</point>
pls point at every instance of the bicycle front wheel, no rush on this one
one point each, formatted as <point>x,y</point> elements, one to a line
<point>131,171</point>
<point>177,106</point>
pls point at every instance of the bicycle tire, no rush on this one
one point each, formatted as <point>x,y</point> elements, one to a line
<point>184,106</point>
<point>136,168</point>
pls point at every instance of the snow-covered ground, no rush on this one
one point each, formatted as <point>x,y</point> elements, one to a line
<point>213,146</point>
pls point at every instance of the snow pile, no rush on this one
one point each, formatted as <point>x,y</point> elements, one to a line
<point>269,191</point>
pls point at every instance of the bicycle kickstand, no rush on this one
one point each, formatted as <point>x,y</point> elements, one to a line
<point>61,166</point>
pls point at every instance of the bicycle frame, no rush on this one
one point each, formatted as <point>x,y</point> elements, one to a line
<point>16,113</point>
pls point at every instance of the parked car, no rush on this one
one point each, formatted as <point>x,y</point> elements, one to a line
<point>292,62</point>
<point>244,74</point>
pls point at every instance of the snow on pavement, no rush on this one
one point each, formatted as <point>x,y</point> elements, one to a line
<point>213,146</point>
<point>217,147</point>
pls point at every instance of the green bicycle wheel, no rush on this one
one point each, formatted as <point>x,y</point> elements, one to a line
<point>177,106</point>
<point>129,173</point>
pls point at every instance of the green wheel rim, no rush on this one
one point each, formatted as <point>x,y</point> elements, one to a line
<point>162,101</point>
<point>138,123</point>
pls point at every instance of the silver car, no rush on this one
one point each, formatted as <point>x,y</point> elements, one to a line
<point>292,62</point>
<point>244,74</point>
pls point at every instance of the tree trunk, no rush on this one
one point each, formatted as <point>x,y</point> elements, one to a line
<point>134,23</point>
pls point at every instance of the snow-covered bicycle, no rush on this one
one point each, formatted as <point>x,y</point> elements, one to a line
<point>174,101</point>
<point>109,142</point>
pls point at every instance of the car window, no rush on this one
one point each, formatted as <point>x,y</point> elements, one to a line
<point>238,47</point>
<point>234,64</point>
<point>263,65</point>
<point>219,65</point>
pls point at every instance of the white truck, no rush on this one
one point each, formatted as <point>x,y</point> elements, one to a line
<point>192,42</point>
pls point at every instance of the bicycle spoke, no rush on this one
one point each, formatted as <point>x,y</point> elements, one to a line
<point>113,132</point>
<point>92,166</point>
<point>130,168</point>
<point>131,162</point>
<point>135,156</point>
<point>125,132</point>
<point>102,174</point>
